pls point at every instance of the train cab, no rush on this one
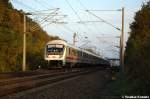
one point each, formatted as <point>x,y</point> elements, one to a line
<point>54,52</point>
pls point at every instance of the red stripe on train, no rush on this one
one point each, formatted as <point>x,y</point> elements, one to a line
<point>72,58</point>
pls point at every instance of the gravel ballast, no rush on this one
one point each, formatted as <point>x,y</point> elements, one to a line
<point>88,86</point>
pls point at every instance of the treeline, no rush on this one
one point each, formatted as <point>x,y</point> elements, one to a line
<point>11,40</point>
<point>137,54</point>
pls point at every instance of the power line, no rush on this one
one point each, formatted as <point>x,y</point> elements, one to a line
<point>49,19</point>
<point>73,10</point>
<point>51,22</point>
<point>82,4</point>
<point>45,19</point>
<point>104,20</point>
<point>76,14</point>
<point>36,26</point>
<point>44,11</point>
<point>106,10</point>
<point>88,21</point>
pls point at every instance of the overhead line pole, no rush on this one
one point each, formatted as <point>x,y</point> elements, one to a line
<point>74,39</point>
<point>24,40</point>
<point>121,36</point>
<point>24,43</point>
<point>122,42</point>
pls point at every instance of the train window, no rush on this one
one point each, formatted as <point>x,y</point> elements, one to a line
<point>55,49</point>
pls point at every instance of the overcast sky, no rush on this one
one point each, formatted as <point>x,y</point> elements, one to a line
<point>92,33</point>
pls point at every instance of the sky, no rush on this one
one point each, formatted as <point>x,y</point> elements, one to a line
<point>73,17</point>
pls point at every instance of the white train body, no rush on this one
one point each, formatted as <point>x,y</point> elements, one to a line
<point>59,51</point>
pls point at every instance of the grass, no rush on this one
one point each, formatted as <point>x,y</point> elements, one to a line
<point>120,86</point>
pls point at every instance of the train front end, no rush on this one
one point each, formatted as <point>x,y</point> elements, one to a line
<point>54,53</point>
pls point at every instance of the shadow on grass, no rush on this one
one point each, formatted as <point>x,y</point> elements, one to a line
<point>121,86</point>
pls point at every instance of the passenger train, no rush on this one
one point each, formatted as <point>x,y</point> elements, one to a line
<point>61,53</point>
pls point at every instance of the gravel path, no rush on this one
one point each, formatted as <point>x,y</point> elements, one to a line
<point>89,86</point>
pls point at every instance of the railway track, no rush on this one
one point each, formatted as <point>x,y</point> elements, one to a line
<point>18,84</point>
<point>10,75</point>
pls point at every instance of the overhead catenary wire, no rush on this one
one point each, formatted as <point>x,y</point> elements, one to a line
<point>73,10</point>
<point>101,20</point>
<point>56,21</point>
<point>51,22</point>
<point>50,17</point>
<point>44,19</point>
<point>106,10</point>
<point>82,4</point>
<point>44,11</point>
<point>35,12</point>
<point>104,20</point>
<point>76,13</point>
<point>36,27</point>
<point>85,8</point>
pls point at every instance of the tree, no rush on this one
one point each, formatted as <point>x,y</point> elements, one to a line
<point>137,54</point>
<point>11,38</point>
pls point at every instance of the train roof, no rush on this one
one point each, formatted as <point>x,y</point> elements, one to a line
<point>62,42</point>
<point>57,42</point>
<point>77,48</point>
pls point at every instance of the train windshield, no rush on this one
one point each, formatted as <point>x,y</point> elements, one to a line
<point>55,49</point>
